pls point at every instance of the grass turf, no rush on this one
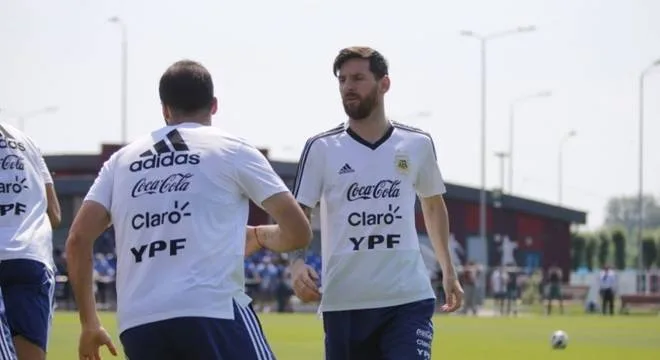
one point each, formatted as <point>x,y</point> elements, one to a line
<point>300,337</point>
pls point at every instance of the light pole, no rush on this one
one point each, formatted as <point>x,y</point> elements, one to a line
<point>124,77</point>
<point>560,164</point>
<point>483,39</point>
<point>640,193</point>
<point>501,155</point>
<point>21,118</point>
<point>512,108</point>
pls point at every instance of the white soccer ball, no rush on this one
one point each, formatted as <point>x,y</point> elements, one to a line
<point>559,340</point>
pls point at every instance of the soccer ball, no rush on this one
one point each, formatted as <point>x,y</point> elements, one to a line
<point>559,340</point>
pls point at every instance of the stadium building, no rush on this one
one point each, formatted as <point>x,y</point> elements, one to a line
<point>530,233</point>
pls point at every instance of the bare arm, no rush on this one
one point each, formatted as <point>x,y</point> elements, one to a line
<point>91,221</point>
<point>437,228</point>
<point>53,210</point>
<point>292,232</point>
<point>300,254</point>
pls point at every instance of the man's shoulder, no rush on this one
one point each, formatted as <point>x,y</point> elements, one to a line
<point>170,138</point>
<point>413,132</point>
<point>337,130</point>
<point>14,138</point>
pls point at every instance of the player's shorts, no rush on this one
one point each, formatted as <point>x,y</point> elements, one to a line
<point>402,332</point>
<point>199,338</point>
<point>27,290</point>
<point>554,292</point>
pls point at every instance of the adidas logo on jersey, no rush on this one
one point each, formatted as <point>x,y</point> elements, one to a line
<point>163,156</point>
<point>8,141</point>
<point>346,169</point>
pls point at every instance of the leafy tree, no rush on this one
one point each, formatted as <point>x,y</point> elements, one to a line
<point>649,252</point>
<point>624,211</point>
<point>578,245</point>
<point>619,242</point>
<point>603,249</point>
<point>590,252</point>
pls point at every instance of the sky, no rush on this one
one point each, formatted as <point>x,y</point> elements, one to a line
<point>271,62</point>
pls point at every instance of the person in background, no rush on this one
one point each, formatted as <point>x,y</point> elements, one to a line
<point>104,275</point>
<point>512,289</point>
<point>555,276</point>
<point>441,290</point>
<point>283,290</point>
<point>268,273</point>
<point>498,280</point>
<point>252,279</point>
<point>607,289</point>
<point>470,288</point>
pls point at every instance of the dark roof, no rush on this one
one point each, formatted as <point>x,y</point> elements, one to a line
<point>70,163</point>
<point>90,164</point>
<point>516,203</point>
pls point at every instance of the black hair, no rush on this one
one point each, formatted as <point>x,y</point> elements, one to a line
<point>377,62</point>
<point>187,87</point>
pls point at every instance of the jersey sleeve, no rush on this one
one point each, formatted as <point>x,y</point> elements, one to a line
<point>308,185</point>
<point>43,170</point>
<point>429,180</point>
<point>46,177</point>
<point>39,162</point>
<point>101,190</point>
<point>256,177</point>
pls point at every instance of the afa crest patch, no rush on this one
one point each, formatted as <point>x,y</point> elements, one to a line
<point>402,163</point>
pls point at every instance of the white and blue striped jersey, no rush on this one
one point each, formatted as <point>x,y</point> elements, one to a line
<point>179,201</point>
<point>25,230</point>
<point>366,192</point>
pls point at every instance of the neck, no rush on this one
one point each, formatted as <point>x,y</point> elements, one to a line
<point>197,120</point>
<point>372,127</point>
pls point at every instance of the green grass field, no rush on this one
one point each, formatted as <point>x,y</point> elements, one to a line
<point>300,337</point>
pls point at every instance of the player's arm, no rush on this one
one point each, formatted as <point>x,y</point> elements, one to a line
<point>299,255</point>
<point>53,207</point>
<point>308,187</point>
<point>263,186</point>
<point>436,219</point>
<point>430,187</point>
<point>292,231</point>
<point>268,236</point>
<point>53,204</point>
<point>92,219</point>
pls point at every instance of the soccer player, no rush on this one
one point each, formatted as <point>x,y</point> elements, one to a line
<point>178,199</point>
<point>29,210</point>
<point>377,300</point>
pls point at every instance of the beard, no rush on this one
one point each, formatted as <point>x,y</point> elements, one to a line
<point>362,108</point>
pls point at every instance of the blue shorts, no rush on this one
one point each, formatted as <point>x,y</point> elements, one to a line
<point>27,290</point>
<point>199,338</point>
<point>403,332</point>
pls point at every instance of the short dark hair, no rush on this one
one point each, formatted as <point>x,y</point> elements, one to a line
<point>186,86</point>
<point>377,63</point>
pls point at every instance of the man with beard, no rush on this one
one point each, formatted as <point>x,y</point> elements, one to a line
<point>377,299</point>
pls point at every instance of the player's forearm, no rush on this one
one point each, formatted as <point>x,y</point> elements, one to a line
<point>301,254</point>
<point>80,266</point>
<point>436,219</point>
<point>298,255</point>
<point>271,237</point>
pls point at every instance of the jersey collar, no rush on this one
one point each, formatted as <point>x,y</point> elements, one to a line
<point>372,146</point>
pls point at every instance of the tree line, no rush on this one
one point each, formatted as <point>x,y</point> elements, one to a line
<point>615,244</point>
<point>610,247</point>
